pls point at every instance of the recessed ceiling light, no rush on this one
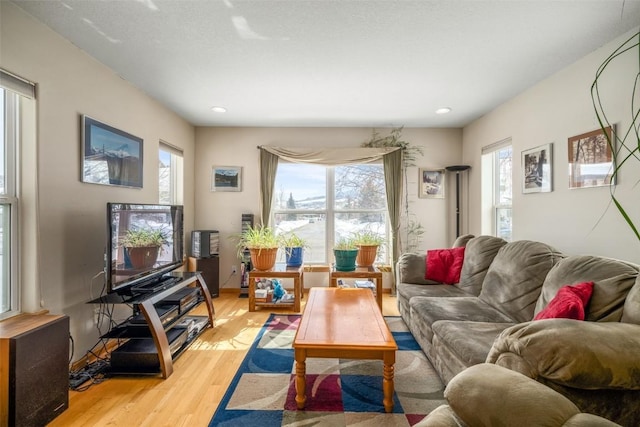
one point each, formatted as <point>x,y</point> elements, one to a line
<point>443,110</point>
<point>218,109</point>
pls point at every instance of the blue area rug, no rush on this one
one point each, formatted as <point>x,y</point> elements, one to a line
<point>340,392</point>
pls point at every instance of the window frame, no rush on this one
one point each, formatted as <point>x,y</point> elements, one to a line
<point>9,198</point>
<point>330,211</point>
<point>491,192</point>
<point>176,174</point>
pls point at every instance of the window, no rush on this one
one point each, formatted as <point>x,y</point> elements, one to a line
<point>324,204</point>
<point>170,171</point>
<point>497,186</point>
<point>9,128</point>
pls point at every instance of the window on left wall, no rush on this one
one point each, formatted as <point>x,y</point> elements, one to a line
<point>9,129</point>
<point>170,173</point>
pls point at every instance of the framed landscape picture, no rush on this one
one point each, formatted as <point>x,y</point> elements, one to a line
<point>110,156</point>
<point>431,184</point>
<point>226,178</point>
<point>591,159</point>
<point>537,170</point>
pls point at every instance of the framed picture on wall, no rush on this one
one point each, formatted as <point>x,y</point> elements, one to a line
<point>537,170</point>
<point>431,183</point>
<point>226,178</point>
<point>591,159</point>
<point>110,156</point>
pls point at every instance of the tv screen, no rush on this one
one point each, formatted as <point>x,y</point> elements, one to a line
<point>144,242</point>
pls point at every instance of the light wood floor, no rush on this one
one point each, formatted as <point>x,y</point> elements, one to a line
<point>201,376</point>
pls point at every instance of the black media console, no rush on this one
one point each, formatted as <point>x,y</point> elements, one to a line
<point>161,327</point>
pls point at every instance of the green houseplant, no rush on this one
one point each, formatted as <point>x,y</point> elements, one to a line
<point>294,246</point>
<point>345,252</point>
<point>263,244</point>
<point>368,243</point>
<point>143,246</point>
<point>625,143</point>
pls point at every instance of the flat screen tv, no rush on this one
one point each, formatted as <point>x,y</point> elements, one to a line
<point>144,242</point>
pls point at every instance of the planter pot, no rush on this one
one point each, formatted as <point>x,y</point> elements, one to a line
<point>345,259</point>
<point>294,256</point>
<point>143,257</point>
<point>263,259</point>
<point>366,255</point>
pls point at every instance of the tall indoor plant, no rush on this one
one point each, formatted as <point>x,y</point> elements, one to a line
<point>625,143</point>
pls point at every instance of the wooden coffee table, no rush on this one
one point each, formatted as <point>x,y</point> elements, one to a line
<point>344,323</point>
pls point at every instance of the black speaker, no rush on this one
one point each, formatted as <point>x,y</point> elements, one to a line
<point>209,269</point>
<point>39,373</point>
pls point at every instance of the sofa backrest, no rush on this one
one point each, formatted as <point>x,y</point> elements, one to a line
<point>514,279</point>
<point>478,255</point>
<point>631,309</point>
<point>612,280</point>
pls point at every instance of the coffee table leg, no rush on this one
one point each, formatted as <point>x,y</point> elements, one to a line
<point>301,380</point>
<point>387,380</point>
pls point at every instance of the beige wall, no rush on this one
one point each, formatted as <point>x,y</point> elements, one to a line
<point>237,147</point>
<point>72,214</point>
<point>578,221</point>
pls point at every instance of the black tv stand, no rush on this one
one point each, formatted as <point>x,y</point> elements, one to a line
<point>145,302</point>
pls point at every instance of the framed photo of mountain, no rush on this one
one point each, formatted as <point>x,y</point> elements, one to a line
<point>110,156</point>
<point>226,178</point>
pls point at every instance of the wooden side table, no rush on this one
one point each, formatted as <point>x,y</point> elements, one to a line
<point>279,271</point>
<point>371,273</point>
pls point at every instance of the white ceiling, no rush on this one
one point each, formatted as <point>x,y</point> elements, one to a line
<point>335,63</point>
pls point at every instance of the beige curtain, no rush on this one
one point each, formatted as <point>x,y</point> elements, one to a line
<point>330,156</point>
<point>268,169</point>
<point>393,183</point>
<point>392,161</point>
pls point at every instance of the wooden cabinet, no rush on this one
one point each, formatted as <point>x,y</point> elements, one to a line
<point>34,369</point>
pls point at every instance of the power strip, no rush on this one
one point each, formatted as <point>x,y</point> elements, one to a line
<point>87,373</point>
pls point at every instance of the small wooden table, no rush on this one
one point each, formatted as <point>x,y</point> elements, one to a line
<point>371,273</point>
<point>279,271</point>
<point>344,323</point>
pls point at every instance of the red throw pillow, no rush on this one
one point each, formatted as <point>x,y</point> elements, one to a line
<point>444,265</point>
<point>569,302</point>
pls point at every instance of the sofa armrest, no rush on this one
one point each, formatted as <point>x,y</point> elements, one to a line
<point>487,395</point>
<point>411,268</point>
<point>584,355</point>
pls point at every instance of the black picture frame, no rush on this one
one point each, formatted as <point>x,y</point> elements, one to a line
<point>110,156</point>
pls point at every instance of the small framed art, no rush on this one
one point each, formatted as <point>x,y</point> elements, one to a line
<point>591,159</point>
<point>226,178</point>
<point>431,183</point>
<point>537,170</point>
<point>110,156</point>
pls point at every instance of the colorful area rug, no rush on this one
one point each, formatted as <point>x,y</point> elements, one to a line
<point>340,392</point>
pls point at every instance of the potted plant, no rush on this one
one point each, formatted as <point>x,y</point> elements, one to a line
<point>345,252</point>
<point>263,244</point>
<point>294,249</point>
<point>142,247</point>
<point>367,242</point>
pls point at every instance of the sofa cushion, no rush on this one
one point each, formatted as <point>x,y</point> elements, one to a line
<point>427,310</point>
<point>612,281</point>
<point>514,279</point>
<point>406,291</point>
<point>631,310</point>
<point>569,302</point>
<point>411,269</point>
<point>478,255</point>
<point>444,265</point>
<point>460,344</point>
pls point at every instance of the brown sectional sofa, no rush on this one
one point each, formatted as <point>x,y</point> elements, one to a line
<point>488,317</point>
